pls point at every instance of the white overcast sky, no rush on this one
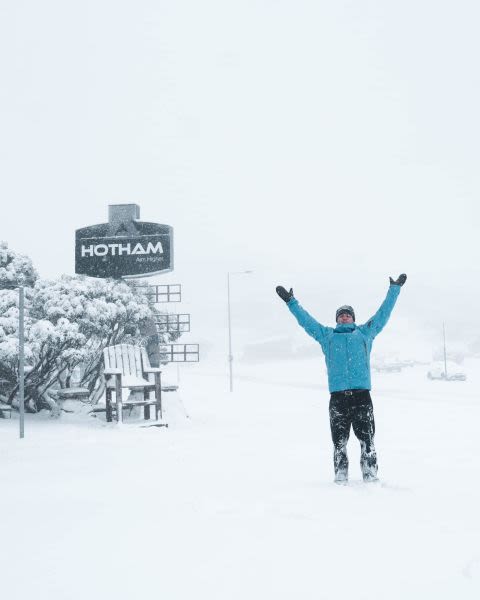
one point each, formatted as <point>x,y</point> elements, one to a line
<point>324,145</point>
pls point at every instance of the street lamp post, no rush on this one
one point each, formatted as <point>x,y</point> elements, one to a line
<point>230,355</point>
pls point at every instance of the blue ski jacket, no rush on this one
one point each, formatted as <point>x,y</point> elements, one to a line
<point>347,347</point>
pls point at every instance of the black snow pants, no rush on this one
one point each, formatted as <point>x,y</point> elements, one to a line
<point>353,408</point>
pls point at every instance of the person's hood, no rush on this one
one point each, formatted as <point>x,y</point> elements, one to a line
<point>345,327</point>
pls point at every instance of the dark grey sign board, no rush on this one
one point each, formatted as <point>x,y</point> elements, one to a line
<point>124,247</point>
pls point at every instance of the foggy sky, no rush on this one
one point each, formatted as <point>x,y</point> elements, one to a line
<point>323,145</point>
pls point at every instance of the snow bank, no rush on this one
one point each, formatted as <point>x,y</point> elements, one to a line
<point>236,499</point>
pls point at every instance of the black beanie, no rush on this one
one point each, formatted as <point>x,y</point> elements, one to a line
<point>345,309</point>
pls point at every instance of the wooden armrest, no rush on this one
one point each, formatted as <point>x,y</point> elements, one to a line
<point>112,372</point>
<point>152,370</point>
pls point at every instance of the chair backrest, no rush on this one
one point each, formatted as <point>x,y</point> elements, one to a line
<point>127,358</point>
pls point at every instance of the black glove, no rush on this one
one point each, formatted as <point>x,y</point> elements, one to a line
<point>284,295</point>
<point>400,281</point>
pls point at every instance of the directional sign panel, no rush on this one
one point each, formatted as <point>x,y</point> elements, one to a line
<point>179,353</point>
<point>164,293</point>
<point>173,323</point>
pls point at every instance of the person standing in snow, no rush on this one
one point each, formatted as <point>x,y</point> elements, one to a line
<point>347,350</point>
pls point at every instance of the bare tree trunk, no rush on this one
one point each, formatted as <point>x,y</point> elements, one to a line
<point>98,391</point>
<point>49,399</point>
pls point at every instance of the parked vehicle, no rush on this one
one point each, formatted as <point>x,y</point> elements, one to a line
<point>388,367</point>
<point>452,376</point>
<point>457,377</point>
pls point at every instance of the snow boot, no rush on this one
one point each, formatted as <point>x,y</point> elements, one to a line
<point>368,462</point>
<point>341,478</point>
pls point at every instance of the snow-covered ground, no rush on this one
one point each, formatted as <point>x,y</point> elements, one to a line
<point>237,501</point>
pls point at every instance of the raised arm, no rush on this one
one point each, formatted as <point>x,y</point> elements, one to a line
<point>305,320</point>
<point>375,324</point>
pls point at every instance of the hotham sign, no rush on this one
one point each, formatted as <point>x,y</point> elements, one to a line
<point>124,247</point>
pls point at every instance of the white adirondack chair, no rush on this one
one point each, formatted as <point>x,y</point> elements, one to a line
<point>128,367</point>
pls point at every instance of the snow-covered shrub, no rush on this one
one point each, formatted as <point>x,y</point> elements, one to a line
<point>68,322</point>
<point>15,269</point>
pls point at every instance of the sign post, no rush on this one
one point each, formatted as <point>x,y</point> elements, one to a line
<point>21,357</point>
<point>126,248</point>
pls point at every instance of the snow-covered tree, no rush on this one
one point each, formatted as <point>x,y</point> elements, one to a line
<point>104,312</point>
<point>15,269</point>
<point>68,323</point>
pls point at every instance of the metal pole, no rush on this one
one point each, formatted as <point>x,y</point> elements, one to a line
<point>230,354</point>
<point>230,357</point>
<point>21,357</point>
<point>445,352</point>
